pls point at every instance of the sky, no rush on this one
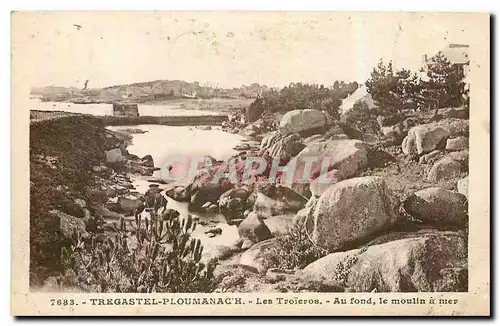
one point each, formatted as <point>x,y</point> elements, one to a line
<point>227,49</point>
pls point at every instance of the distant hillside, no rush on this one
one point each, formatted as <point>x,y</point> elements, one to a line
<point>55,93</point>
<point>145,92</point>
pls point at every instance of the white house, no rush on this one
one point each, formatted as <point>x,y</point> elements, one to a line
<point>361,94</point>
<point>457,54</point>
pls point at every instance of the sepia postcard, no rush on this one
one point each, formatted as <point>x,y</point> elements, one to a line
<point>250,163</point>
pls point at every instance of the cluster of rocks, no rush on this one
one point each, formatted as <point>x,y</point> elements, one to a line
<point>376,242</point>
<point>443,144</point>
<point>420,262</point>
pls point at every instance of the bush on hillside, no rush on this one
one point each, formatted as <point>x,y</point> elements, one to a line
<point>255,110</point>
<point>445,84</point>
<point>298,96</point>
<point>396,91</point>
<point>151,255</point>
<point>362,118</point>
<point>294,249</point>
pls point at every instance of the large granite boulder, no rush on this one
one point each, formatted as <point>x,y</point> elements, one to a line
<point>426,263</point>
<point>278,200</point>
<point>463,186</point>
<point>297,121</point>
<point>439,207</point>
<point>424,139</point>
<point>253,230</point>
<point>319,185</point>
<point>208,192</point>
<point>350,211</point>
<point>445,168</point>
<point>114,156</point>
<point>232,208</point>
<point>209,185</point>
<point>178,193</point>
<point>148,161</point>
<point>347,157</point>
<point>69,225</point>
<point>462,157</point>
<point>314,139</point>
<point>430,157</point>
<point>456,127</point>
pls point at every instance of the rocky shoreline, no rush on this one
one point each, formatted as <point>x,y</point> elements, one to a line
<point>407,191</point>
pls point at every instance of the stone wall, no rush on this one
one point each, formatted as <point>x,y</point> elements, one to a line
<point>168,120</point>
<point>125,110</point>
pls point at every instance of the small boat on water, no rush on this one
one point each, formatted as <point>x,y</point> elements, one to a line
<point>193,95</point>
<point>86,100</point>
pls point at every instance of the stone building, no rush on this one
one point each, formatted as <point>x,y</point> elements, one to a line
<point>125,110</point>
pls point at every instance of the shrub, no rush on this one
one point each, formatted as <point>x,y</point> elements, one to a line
<point>298,96</point>
<point>393,91</point>
<point>294,249</point>
<point>152,255</point>
<point>301,284</point>
<point>361,118</point>
<point>445,85</point>
<point>255,110</point>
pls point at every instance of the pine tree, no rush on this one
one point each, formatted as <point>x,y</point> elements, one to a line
<point>393,91</point>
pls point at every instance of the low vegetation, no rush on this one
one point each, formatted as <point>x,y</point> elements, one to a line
<point>58,174</point>
<point>294,249</point>
<point>151,255</point>
<point>298,96</point>
<point>151,91</point>
<point>159,254</point>
<point>396,91</point>
<point>400,94</point>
